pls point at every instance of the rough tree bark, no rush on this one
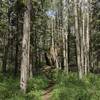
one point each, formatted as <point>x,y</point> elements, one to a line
<point>25,48</point>
<point>17,46</point>
<point>77,33</point>
<point>65,34</point>
<point>88,35</point>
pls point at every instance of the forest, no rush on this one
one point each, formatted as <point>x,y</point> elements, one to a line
<point>49,49</point>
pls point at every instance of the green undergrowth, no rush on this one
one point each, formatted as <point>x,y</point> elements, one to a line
<point>35,87</point>
<point>69,87</point>
<point>10,90</point>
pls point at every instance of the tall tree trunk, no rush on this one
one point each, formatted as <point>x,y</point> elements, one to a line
<point>53,48</point>
<point>83,36</point>
<point>17,47</point>
<point>88,35</point>
<point>77,39</point>
<point>65,34</point>
<point>25,48</point>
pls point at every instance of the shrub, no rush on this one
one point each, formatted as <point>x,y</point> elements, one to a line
<point>34,95</point>
<point>69,87</point>
<point>37,83</point>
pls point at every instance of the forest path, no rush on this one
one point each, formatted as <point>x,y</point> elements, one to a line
<point>47,93</point>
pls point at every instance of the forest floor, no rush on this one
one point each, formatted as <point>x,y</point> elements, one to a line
<point>47,93</point>
<point>62,87</point>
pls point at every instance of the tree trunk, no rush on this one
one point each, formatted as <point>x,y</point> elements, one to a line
<point>25,48</point>
<point>83,36</point>
<point>88,35</point>
<point>4,69</point>
<point>65,34</point>
<point>17,47</point>
<point>77,39</point>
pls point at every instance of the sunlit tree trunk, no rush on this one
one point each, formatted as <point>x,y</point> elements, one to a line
<point>91,42</point>
<point>53,47</point>
<point>77,33</point>
<point>25,48</point>
<point>88,35</point>
<point>83,36</point>
<point>65,34</point>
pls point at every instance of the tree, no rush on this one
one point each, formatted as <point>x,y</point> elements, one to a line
<point>4,31</point>
<point>25,48</point>
<point>77,39</point>
<point>65,33</point>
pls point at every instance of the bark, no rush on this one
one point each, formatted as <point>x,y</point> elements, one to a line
<point>77,39</point>
<point>53,49</point>
<point>83,37</point>
<point>65,34</point>
<point>31,63</point>
<point>17,48</point>
<point>4,69</point>
<point>16,59</point>
<point>25,48</point>
<point>88,35</point>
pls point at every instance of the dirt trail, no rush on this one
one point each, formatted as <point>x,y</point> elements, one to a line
<point>47,92</point>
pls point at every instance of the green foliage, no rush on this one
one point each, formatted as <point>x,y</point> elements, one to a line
<point>10,90</point>
<point>69,87</point>
<point>37,83</point>
<point>35,87</point>
<point>19,6</point>
<point>34,95</point>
